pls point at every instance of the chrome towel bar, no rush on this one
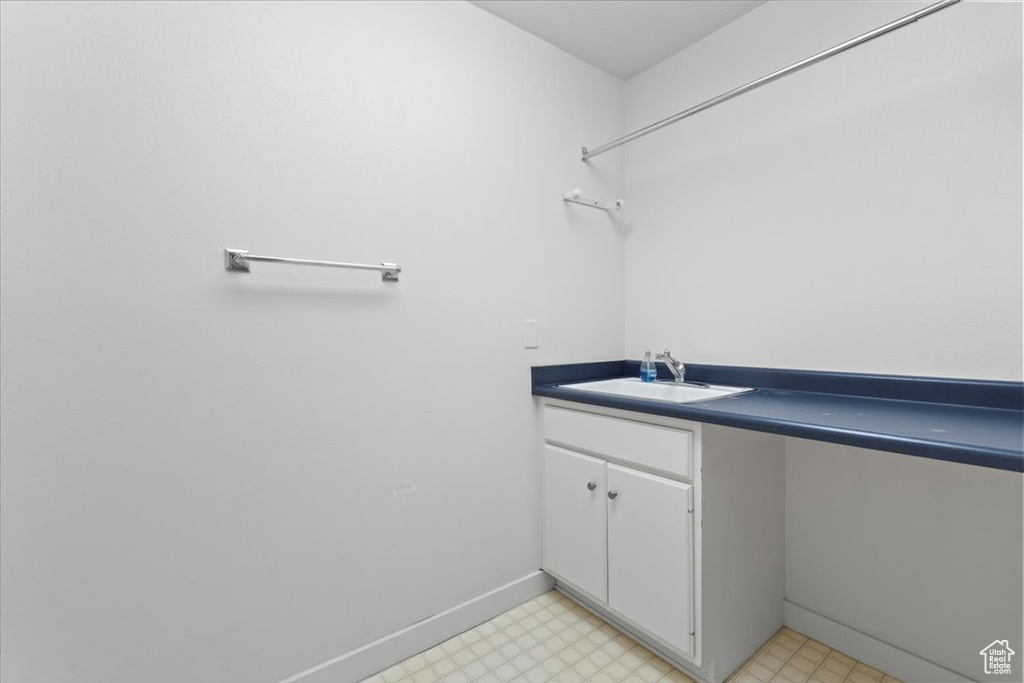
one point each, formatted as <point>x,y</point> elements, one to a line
<point>775,75</point>
<point>238,260</point>
<point>577,197</point>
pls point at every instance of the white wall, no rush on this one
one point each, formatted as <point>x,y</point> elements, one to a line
<point>861,215</point>
<point>921,554</point>
<point>199,468</point>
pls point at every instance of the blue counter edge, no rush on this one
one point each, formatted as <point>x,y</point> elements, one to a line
<point>970,393</point>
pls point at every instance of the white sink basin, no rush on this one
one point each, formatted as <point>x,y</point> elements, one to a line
<point>657,391</point>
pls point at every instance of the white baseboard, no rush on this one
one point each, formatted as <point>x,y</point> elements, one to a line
<point>871,651</point>
<point>391,649</point>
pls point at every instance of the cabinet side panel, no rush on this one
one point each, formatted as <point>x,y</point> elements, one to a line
<point>744,499</point>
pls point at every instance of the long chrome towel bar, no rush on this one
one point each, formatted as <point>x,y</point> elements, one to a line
<point>238,260</point>
<point>735,92</point>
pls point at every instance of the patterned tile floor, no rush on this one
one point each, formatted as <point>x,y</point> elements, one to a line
<point>551,638</point>
<point>789,657</point>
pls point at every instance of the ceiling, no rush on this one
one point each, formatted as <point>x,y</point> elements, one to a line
<point>620,37</point>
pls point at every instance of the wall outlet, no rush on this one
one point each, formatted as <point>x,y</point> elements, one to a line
<point>530,334</point>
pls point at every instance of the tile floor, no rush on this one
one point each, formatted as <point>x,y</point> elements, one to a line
<point>789,657</point>
<point>551,638</point>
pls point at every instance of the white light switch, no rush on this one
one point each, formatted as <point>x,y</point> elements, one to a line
<point>530,334</point>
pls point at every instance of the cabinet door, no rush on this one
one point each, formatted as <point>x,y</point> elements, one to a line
<point>650,553</point>
<point>575,531</point>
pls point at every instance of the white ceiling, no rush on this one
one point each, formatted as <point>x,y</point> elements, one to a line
<point>621,37</point>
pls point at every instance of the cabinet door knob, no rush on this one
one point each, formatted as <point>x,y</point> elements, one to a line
<point>591,485</point>
<point>613,494</point>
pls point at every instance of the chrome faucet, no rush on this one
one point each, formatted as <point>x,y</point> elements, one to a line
<point>677,368</point>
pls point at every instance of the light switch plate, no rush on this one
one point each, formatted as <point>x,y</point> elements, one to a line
<point>530,334</point>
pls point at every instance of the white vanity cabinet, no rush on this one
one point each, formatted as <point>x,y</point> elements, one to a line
<point>575,519</point>
<point>650,553</point>
<point>624,537</point>
<point>669,528</point>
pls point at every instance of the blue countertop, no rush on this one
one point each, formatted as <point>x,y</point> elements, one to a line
<point>986,429</point>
